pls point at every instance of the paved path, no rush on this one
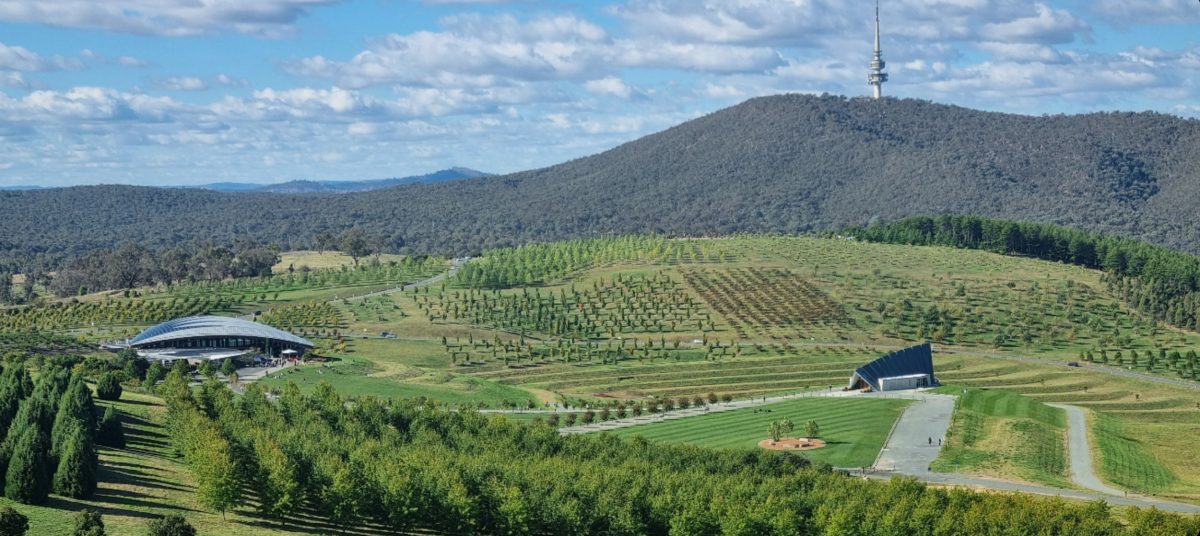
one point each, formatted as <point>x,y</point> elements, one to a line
<point>916,438</point>
<point>1082,470</point>
<point>953,479</point>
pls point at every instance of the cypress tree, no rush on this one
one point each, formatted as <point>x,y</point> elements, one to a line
<point>12,523</point>
<point>111,433</point>
<point>76,473</point>
<point>28,477</point>
<point>75,410</point>
<point>88,523</point>
<point>109,387</point>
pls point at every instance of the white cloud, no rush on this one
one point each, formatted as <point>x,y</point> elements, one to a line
<point>1047,26</point>
<point>130,61</point>
<point>182,83</point>
<point>1126,12</point>
<point>609,86</point>
<point>164,17</point>
<point>478,51</point>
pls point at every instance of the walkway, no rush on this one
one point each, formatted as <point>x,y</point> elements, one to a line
<point>1082,470</point>
<point>917,436</point>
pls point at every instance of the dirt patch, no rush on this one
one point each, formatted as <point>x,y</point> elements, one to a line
<point>792,443</point>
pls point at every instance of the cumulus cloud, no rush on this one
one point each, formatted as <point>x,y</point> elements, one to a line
<point>610,85</point>
<point>182,83</point>
<point>1046,26</point>
<point>1126,12</point>
<point>164,17</point>
<point>479,51</point>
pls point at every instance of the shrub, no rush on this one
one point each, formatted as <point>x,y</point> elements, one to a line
<point>109,387</point>
<point>12,523</point>
<point>88,523</point>
<point>172,525</point>
<point>111,433</point>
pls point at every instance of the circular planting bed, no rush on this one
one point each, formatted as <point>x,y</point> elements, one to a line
<point>792,443</point>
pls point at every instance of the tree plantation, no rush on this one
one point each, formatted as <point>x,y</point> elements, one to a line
<point>403,465</point>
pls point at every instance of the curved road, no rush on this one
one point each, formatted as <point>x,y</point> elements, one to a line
<point>1082,470</point>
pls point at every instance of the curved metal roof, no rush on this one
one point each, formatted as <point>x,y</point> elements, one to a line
<point>214,326</point>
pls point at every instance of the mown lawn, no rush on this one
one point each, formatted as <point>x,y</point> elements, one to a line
<point>1003,434</point>
<point>854,428</point>
<point>1124,459</point>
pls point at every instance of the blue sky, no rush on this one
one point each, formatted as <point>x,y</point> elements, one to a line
<point>196,91</point>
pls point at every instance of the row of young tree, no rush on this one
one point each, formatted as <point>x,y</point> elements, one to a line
<point>50,434</point>
<point>403,465</point>
<point>1157,281</point>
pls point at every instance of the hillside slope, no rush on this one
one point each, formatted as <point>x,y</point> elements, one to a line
<point>788,163</point>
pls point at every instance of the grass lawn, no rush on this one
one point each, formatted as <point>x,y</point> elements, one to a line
<point>1124,459</point>
<point>854,428</point>
<point>1003,434</point>
<point>355,378</point>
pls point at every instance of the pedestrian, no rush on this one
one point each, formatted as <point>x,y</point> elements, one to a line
<point>930,441</point>
<point>939,441</point>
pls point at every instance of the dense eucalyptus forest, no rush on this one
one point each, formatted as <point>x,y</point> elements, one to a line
<point>780,164</point>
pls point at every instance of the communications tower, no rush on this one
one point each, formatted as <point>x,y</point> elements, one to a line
<point>877,77</point>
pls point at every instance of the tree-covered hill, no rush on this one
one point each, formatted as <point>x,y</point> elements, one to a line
<point>788,163</point>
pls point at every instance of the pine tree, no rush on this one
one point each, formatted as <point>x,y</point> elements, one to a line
<point>12,523</point>
<point>76,473</point>
<point>75,410</point>
<point>28,477</point>
<point>171,525</point>
<point>109,387</point>
<point>88,523</point>
<point>110,432</point>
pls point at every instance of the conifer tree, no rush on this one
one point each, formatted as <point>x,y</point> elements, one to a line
<point>109,387</point>
<point>27,479</point>
<point>12,522</point>
<point>88,523</point>
<point>76,472</point>
<point>110,432</point>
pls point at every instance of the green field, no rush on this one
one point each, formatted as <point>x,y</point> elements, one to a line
<point>350,379</point>
<point>854,428</point>
<point>1124,460</point>
<point>632,319</point>
<point>1002,434</point>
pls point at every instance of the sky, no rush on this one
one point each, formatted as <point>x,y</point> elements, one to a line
<point>177,92</point>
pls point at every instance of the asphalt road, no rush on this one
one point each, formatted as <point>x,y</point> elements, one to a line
<point>1082,470</point>
<point>917,437</point>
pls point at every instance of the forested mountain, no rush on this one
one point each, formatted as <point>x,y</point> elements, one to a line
<point>343,186</point>
<point>788,163</point>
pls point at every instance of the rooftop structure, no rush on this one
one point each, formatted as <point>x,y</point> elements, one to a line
<point>214,337</point>
<point>909,368</point>
<point>877,77</point>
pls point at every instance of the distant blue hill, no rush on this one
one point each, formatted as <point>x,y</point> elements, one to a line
<point>339,186</point>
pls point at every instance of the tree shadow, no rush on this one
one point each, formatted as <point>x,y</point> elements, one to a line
<point>134,477</point>
<point>133,499</point>
<point>73,505</point>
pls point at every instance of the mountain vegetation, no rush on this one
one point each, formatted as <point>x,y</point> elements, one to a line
<point>786,164</point>
<point>343,186</point>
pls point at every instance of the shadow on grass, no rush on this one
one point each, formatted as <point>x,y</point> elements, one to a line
<point>111,472</point>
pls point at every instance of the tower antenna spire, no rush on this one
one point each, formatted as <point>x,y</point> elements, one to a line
<point>877,77</point>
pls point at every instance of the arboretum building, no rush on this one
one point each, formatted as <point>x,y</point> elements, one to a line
<point>199,338</point>
<point>910,368</point>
